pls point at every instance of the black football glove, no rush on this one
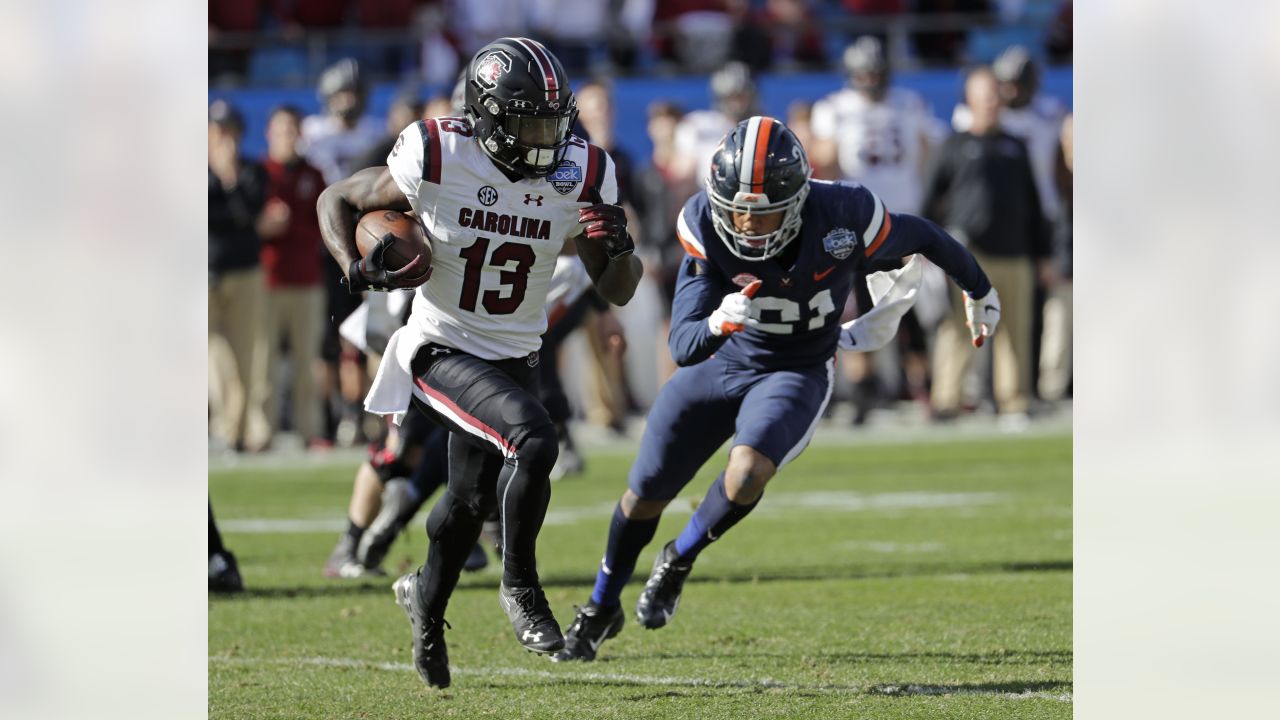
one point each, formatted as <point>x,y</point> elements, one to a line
<point>369,272</point>
<point>607,225</point>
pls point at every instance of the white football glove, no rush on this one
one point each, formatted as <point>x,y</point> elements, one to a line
<point>734,312</point>
<point>982,316</point>
<point>893,292</point>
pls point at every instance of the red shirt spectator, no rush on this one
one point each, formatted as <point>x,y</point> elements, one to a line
<point>293,258</point>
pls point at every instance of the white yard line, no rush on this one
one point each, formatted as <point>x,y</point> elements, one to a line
<point>646,680</point>
<point>778,504</point>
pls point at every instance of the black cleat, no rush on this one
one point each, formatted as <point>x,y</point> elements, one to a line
<point>591,627</point>
<point>661,595</point>
<point>531,619</point>
<point>397,510</point>
<point>224,574</point>
<point>430,655</point>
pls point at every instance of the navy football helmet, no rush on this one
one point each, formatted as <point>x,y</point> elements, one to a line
<point>519,103</point>
<point>759,168</point>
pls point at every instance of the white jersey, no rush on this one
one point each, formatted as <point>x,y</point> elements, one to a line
<point>1038,124</point>
<point>697,136</point>
<point>494,242</point>
<point>333,148</point>
<point>878,144</point>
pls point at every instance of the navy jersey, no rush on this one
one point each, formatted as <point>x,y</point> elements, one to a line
<point>845,232</point>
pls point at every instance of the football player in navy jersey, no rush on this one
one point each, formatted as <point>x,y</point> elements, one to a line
<point>771,256</point>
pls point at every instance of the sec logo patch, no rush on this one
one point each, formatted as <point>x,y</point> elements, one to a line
<point>487,195</point>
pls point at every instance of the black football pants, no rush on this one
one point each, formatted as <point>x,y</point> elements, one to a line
<point>502,446</point>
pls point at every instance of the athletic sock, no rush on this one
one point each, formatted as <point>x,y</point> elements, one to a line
<point>713,518</point>
<point>215,538</point>
<point>627,538</point>
<point>354,531</point>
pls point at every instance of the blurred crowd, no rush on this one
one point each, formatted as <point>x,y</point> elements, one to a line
<point>286,42</point>
<point>997,177</point>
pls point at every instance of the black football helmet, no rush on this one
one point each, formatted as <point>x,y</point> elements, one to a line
<point>867,66</point>
<point>343,76</point>
<point>1019,75</point>
<point>519,103</point>
<point>733,90</point>
<point>759,168</point>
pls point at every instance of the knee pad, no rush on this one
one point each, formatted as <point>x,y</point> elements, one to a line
<point>450,511</point>
<point>539,448</point>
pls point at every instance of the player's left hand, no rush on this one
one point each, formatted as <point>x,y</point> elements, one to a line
<point>607,225</point>
<point>982,316</point>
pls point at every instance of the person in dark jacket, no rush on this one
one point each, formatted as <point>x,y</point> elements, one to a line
<point>237,333</point>
<point>982,190</point>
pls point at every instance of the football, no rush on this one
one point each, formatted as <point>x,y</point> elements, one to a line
<point>409,240</point>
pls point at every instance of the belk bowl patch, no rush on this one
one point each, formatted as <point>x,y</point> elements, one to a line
<point>565,177</point>
<point>840,243</point>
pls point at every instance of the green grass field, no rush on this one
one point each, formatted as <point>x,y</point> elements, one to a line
<point>927,580</point>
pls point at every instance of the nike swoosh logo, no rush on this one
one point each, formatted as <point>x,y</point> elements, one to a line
<point>991,308</point>
<point>819,276</point>
<point>595,645</point>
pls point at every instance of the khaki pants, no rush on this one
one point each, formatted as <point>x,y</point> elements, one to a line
<point>1014,279</point>
<point>298,314</point>
<point>605,399</point>
<point>1055,344</point>
<point>237,359</point>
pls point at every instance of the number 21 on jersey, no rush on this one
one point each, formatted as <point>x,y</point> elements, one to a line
<point>788,312</point>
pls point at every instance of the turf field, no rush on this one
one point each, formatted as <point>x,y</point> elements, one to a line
<point>923,580</point>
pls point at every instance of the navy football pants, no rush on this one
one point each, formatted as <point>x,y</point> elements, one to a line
<point>773,412</point>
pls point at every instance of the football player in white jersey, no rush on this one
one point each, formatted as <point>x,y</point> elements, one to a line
<point>872,133</point>
<point>498,194</point>
<point>699,132</point>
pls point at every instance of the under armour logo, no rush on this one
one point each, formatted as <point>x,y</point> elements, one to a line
<point>440,351</point>
<point>529,635</point>
<point>531,199</point>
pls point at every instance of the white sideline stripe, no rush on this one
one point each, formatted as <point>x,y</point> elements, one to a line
<point>648,680</point>
<point>781,503</point>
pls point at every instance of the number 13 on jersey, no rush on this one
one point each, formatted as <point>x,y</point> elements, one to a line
<point>517,278</point>
<point>788,312</point>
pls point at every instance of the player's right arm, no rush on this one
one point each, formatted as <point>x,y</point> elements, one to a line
<point>706,310</point>
<point>370,189</point>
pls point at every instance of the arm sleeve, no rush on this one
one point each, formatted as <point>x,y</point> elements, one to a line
<point>892,236</point>
<point>697,295</point>
<point>408,158</point>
